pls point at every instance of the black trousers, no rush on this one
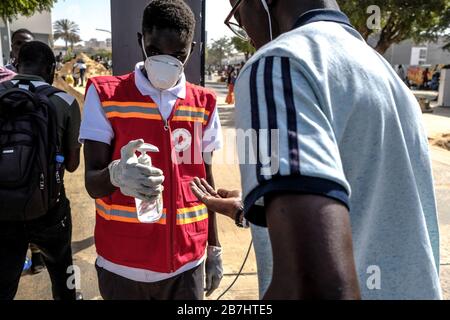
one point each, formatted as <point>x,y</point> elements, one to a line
<point>52,234</point>
<point>186,286</point>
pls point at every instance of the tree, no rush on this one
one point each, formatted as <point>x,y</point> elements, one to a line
<point>243,46</point>
<point>9,9</point>
<point>73,40</point>
<point>219,50</point>
<point>447,44</point>
<point>400,20</point>
<point>66,30</point>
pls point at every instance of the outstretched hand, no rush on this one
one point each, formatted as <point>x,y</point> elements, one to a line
<point>225,202</point>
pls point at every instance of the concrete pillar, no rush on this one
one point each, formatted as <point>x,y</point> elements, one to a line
<point>126,18</point>
<point>444,88</point>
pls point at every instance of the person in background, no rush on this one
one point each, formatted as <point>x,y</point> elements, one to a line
<point>425,78</point>
<point>231,80</point>
<point>53,232</point>
<point>79,69</point>
<point>18,39</point>
<point>401,73</point>
<point>59,61</point>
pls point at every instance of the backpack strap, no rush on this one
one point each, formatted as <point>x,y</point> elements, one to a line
<point>7,85</point>
<point>47,90</point>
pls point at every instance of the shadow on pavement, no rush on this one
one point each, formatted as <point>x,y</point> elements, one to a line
<point>78,246</point>
<point>443,112</point>
<point>227,117</point>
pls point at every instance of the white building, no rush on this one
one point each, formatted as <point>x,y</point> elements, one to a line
<point>95,44</point>
<point>40,25</point>
<point>415,54</point>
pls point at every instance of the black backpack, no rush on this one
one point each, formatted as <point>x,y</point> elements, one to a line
<point>31,166</point>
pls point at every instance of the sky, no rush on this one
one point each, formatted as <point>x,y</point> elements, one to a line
<point>95,14</point>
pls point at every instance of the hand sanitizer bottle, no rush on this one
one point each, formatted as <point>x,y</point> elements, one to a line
<point>148,212</point>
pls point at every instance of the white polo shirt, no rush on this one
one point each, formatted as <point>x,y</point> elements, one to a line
<point>95,126</point>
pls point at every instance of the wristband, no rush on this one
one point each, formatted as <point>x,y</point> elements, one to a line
<point>240,221</point>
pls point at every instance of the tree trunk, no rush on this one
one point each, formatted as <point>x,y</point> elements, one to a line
<point>383,46</point>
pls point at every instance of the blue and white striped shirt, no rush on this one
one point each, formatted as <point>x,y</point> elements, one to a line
<point>333,118</point>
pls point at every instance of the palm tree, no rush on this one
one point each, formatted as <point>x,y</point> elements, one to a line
<point>66,30</point>
<point>74,39</point>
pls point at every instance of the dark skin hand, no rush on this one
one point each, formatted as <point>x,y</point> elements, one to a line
<point>227,203</point>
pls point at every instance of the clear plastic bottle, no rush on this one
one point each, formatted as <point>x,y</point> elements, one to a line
<point>148,212</point>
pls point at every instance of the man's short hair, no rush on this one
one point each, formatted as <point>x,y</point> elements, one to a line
<point>26,31</point>
<point>36,54</point>
<point>171,14</point>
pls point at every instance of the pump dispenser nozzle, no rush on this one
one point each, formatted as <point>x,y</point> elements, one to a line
<point>144,158</point>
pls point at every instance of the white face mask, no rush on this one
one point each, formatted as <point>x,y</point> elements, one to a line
<point>266,7</point>
<point>163,71</point>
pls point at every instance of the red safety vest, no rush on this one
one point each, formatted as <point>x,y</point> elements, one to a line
<point>181,235</point>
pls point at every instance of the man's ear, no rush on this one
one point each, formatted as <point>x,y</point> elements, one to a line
<point>193,45</point>
<point>51,73</point>
<point>139,35</point>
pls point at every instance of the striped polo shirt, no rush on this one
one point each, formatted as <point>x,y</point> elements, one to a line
<point>332,118</point>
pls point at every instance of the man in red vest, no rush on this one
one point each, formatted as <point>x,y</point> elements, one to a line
<point>161,260</point>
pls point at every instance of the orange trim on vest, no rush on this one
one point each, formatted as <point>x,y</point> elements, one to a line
<point>129,104</point>
<point>121,213</point>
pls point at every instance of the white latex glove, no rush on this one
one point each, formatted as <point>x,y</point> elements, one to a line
<point>214,269</point>
<point>134,179</point>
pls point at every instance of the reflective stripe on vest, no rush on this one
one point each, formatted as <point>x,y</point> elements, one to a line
<point>191,215</point>
<point>129,214</point>
<point>143,110</point>
<point>191,114</point>
<point>125,110</point>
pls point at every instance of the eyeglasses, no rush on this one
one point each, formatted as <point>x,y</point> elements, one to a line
<point>234,26</point>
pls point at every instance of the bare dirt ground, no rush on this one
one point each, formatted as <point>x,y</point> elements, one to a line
<point>235,241</point>
<point>438,126</point>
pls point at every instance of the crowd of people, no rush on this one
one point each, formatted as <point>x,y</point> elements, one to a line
<point>428,79</point>
<point>351,200</point>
